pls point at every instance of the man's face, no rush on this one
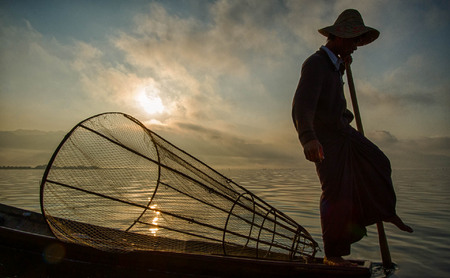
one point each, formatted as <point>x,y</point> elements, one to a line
<point>347,46</point>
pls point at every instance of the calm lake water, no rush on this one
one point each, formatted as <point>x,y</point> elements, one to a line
<point>423,202</point>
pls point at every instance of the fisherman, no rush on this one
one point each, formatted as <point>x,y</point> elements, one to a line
<point>355,175</point>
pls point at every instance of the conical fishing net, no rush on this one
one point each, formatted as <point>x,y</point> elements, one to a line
<point>114,184</point>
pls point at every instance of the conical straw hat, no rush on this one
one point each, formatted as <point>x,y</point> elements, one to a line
<point>350,24</point>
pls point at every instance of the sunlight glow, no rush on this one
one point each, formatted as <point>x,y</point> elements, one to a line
<point>149,99</point>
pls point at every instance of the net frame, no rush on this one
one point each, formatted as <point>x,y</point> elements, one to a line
<point>270,233</point>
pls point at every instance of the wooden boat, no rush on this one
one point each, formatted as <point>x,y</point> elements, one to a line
<point>29,249</point>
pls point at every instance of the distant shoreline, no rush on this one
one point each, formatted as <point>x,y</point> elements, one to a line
<point>39,167</point>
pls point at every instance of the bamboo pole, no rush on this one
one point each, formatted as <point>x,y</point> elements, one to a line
<point>384,247</point>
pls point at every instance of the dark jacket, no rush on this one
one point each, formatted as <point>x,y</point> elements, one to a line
<point>319,105</point>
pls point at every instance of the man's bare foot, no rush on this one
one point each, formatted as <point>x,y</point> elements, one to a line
<point>337,261</point>
<point>399,223</point>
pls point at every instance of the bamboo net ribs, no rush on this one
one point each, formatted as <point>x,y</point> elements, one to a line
<point>115,185</point>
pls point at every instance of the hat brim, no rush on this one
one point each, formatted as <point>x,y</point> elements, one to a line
<point>366,34</point>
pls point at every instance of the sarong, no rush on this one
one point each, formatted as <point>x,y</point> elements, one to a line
<point>357,189</point>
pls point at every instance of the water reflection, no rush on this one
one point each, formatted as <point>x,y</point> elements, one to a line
<point>155,219</point>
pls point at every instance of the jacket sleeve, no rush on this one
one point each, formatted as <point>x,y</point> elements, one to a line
<point>306,98</point>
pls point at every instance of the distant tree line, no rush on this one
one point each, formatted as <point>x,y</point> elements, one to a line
<point>45,166</point>
<point>22,167</point>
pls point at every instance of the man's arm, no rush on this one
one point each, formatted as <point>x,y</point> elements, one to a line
<point>304,108</point>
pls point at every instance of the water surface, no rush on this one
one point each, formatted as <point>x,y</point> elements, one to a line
<point>423,201</point>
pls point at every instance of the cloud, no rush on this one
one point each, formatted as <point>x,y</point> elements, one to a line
<point>432,145</point>
<point>383,137</point>
<point>424,152</point>
<point>223,149</point>
<point>169,45</point>
<point>209,70</point>
<point>426,86</point>
<point>226,74</point>
<point>411,99</point>
<point>37,81</point>
<point>45,77</point>
<point>28,147</point>
<point>103,81</point>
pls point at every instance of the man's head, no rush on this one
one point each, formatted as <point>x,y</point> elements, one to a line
<point>350,25</point>
<point>343,47</point>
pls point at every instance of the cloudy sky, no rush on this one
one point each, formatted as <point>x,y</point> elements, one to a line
<point>217,78</point>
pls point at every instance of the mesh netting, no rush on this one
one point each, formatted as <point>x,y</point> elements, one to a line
<point>114,184</point>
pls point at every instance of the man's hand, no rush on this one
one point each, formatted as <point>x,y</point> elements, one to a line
<point>347,59</point>
<point>314,151</point>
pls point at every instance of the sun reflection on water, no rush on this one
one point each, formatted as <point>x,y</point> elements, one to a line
<point>155,219</point>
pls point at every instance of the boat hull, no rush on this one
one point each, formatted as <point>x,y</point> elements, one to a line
<point>28,249</point>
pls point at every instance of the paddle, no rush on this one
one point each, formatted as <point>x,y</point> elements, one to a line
<point>384,247</point>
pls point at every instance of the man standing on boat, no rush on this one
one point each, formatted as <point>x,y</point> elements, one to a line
<point>355,175</point>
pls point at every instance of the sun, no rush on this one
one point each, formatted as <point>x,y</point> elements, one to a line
<point>150,101</point>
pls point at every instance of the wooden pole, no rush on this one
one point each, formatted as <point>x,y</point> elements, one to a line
<point>384,247</point>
